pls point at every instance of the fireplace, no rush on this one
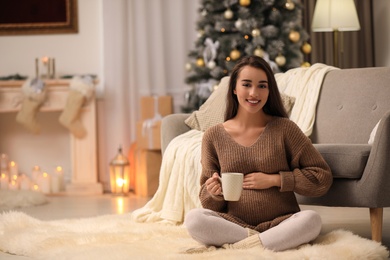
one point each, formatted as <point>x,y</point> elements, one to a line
<point>55,145</point>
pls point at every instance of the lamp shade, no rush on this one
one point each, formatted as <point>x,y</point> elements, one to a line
<point>335,15</point>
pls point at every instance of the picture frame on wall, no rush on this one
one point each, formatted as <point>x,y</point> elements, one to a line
<point>24,17</point>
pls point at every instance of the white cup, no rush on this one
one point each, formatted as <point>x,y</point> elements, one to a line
<point>232,185</point>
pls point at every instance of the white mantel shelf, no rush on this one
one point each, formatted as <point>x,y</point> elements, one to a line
<point>84,180</point>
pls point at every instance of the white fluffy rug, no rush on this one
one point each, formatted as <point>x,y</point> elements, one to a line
<point>118,237</point>
<point>11,199</point>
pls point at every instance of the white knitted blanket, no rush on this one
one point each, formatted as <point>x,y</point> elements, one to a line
<point>178,188</point>
<point>304,84</point>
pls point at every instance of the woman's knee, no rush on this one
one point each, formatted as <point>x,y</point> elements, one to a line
<point>196,219</point>
<point>312,221</point>
<point>197,222</point>
<point>192,218</point>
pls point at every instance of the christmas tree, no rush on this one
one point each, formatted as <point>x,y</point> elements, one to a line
<point>230,29</point>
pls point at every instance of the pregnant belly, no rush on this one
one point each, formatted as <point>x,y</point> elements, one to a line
<point>258,206</point>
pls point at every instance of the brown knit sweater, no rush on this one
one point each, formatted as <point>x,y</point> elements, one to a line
<point>282,149</point>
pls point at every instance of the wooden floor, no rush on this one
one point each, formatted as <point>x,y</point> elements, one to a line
<point>61,207</point>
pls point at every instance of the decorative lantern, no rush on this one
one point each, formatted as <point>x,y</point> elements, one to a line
<point>120,174</point>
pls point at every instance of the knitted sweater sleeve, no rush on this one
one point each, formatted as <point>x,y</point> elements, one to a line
<point>210,165</point>
<point>310,175</point>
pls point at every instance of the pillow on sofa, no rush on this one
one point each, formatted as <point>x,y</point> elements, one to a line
<point>212,112</point>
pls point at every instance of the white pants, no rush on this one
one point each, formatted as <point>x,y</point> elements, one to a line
<point>210,229</point>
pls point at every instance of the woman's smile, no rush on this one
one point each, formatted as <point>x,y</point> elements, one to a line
<point>253,101</point>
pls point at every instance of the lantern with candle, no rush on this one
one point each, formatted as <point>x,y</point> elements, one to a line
<point>120,174</point>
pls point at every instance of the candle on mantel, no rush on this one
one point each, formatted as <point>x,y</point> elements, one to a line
<point>36,172</point>
<point>56,180</point>
<point>60,173</point>
<point>4,181</point>
<point>35,187</point>
<point>13,170</point>
<point>4,162</point>
<point>44,183</point>
<point>25,182</point>
<point>45,60</point>
<point>13,185</point>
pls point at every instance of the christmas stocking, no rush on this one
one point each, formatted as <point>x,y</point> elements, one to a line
<point>34,96</point>
<point>81,89</point>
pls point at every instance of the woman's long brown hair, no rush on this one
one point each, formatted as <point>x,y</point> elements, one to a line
<point>274,105</point>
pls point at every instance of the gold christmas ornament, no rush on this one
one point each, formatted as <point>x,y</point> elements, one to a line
<point>228,14</point>
<point>259,52</point>
<point>235,54</point>
<point>294,36</point>
<point>200,62</point>
<point>289,5</point>
<point>280,60</point>
<point>305,64</point>
<point>255,32</point>
<point>306,48</point>
<point>245,2</point>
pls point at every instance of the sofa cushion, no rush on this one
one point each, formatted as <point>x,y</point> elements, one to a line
<point>212,112</point>
<point>345,160</point>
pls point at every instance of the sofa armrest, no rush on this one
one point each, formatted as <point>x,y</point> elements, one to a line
<point>376,176</point>
<point>171,126</point>
<point>372,189</point>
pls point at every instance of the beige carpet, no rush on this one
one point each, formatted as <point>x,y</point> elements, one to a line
<point>11,199</point>
<point>118,237</point>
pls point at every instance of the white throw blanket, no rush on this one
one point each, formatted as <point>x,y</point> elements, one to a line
<point>304,84</point>
<point>178,188</point>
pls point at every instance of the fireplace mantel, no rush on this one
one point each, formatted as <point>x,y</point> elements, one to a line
<point>84,174</point>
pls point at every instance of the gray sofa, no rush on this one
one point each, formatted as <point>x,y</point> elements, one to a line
<point>350,105</point>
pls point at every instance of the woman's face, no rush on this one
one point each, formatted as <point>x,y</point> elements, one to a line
<point>252,89</point>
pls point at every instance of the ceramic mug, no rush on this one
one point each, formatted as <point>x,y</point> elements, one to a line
<point>231,185</point>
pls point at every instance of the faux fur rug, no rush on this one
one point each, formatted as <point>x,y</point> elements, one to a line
<point>119,237</point>
<point>11,199</point>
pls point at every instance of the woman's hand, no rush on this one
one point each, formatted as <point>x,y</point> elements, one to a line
<point>259,180</point>
<point>213,185</point>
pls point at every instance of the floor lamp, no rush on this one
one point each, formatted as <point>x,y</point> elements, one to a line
<point>335,16</point>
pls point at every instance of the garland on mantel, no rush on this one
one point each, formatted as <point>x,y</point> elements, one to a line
<point>16,76</point>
